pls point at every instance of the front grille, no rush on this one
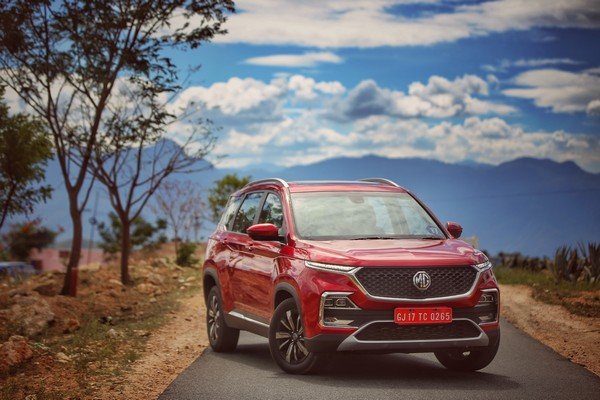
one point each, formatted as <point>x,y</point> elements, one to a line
<point>398,282</point>
<point>389,331</point>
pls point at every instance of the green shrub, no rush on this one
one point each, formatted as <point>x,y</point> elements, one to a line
<point>185,254</point>
<point>24,237</point>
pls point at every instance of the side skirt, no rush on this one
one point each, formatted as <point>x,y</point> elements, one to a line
<point>235,319</point>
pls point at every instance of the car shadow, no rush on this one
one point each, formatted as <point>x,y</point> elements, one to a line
<point>376,371</point>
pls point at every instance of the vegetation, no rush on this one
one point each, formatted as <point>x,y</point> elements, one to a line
<point>220,192</point>
<point>570,279</point>
<point>24,237</point>
<point>569,264</point>
<point>24,152</point>
<point>143,234</point>
<point>181,204</point>
<point>185,254</point>
<point>70,71</point>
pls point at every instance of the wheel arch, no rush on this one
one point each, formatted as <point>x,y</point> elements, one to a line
<point>283,291</point>
<point>210,278</point>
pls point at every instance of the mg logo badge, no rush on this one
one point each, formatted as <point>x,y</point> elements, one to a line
<point>422,280</point>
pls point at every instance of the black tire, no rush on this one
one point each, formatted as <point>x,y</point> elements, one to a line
<point>222,338</point>
<point>286,341</point>
<point>471,360</point>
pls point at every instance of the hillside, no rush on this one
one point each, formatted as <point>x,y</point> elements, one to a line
<point>527,205</point>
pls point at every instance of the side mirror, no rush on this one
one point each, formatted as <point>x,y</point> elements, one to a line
<point>263,232</point>
<point>454,229</point>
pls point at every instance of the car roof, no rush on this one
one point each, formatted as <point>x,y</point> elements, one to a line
<point>367,185</point>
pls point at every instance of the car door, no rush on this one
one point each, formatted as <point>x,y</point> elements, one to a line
<point>220,250</point>
<point>241,279</point>
<point>263,263</point>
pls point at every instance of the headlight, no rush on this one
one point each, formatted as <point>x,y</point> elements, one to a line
<point>484,266</point>
<point>328,267</point>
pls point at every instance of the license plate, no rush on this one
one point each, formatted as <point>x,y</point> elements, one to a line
<point>423,315</point>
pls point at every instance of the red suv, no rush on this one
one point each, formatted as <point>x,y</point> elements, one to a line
<point>325,266</point>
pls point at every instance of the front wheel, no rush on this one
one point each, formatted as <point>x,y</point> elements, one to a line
<point>286,341</point>
<point>221,337</point>
<point>468,360</point>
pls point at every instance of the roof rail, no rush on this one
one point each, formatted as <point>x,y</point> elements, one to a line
<point>381,180</point>
<point>267,180</point>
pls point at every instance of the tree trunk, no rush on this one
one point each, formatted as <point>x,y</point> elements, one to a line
<point>125,249</point>
<point>70,284</point>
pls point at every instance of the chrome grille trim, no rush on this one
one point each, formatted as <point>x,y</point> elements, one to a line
<point>352,276</point>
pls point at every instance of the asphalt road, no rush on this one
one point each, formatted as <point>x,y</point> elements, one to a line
<point>523,369</point>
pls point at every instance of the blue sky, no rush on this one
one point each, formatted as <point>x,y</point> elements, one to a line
<point>298,82</point>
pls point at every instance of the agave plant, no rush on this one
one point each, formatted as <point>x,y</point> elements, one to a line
<point>591,267</point>
<point>560,266</point>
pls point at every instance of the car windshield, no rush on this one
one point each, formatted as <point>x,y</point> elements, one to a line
<point>361,216</point>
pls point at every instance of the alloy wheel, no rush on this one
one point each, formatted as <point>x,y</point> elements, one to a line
<point>213,319</point>
<point>290,338</point>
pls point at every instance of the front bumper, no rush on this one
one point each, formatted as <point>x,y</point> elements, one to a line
<point>352,342</point>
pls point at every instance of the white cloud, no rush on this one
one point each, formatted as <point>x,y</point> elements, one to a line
<point>505,64</point>
<point>561,91</point>
<point>232,97</point>
<point>304,140</point>
<point>367,23</point>
<point>308,59</point>
<point>294,119</point>
<point>593,107</point>
<point>438,98</point>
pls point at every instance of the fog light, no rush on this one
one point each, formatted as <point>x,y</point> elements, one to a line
<point>333,321</point>
<point>488,306</point>
<point>487,318</point>
<point>341,303</point>
<point>336,309</point>
<point>487,298</point>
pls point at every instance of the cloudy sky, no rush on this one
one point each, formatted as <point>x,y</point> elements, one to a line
<point>459,81</point>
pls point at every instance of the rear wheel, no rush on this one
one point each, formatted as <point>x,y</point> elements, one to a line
<point>286,341</point>
<point>221,337</point>
<point>468,360</point>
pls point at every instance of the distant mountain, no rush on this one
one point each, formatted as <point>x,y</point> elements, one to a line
<point>527,205</point>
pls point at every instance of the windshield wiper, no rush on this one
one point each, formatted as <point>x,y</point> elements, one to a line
<point>431,238</point>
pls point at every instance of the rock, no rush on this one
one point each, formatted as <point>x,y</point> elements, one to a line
<point>115,282</point>
<point>18,291</point>
<point>106,319</point>
<point>190,279</point>
<point>31,397</point>
<point>31,313</point>
<point>113,334</point>
<point>62,357</point>
<point>153,300</point>
<point>48,289</point>
<point>146,288</point>
<point>156,279</point>
<point>71,325</point>
<point>141,333</point>
<point>14,352</point>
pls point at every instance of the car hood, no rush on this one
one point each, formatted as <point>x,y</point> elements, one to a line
<point>397,252</point>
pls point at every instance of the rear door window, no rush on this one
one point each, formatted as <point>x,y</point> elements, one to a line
<point>227,217</point>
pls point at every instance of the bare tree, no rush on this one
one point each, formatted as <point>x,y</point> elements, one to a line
<point>180,204</point>
<point>64,58</point>
<point>136,159</point>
